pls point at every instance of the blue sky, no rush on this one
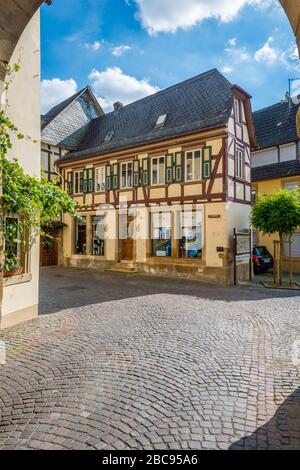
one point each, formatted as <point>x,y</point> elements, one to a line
<point>127,49</point>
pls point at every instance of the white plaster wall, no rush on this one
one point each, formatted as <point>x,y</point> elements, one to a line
<point>24,110</point>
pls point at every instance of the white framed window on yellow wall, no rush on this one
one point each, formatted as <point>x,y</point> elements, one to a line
<point>78,182</point>
<point>193,165</point>
<point>126,175</point>
<point>158,170</point>
<point>100,176</point>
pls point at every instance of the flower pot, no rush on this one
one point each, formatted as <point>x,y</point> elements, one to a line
<point>13,272</point>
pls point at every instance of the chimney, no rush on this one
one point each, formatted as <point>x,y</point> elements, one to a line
<point>117,106</point>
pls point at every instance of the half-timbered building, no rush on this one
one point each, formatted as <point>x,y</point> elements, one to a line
<point>143,168</point>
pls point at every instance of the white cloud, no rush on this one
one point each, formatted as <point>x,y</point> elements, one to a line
<point>232,42</point>
<point>267,53</point>
<point>94,46</point>
<point>227,69</point>
<point>113,85</point>
<point>117,51</point>
<point>169,15</point>
<point>55,91</point>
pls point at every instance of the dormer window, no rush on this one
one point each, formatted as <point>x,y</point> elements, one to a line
<point>109,136</point>
<point>161,121</point>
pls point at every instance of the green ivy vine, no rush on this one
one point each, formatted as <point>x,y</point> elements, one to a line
<point>37,203</point>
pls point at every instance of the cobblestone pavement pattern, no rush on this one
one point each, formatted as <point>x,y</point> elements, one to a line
<point>133,362</point>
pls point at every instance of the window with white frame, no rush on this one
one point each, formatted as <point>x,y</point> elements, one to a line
<point>78,182</point>
<point>126,175</point>
<point>100,179</point>
<point>292,186</point>
<point>193,165</point>
<point>237,110</point>
<point>98,235</point>
<point>192,234</point>
<point>240,163</point>
<point>158,170</point>
<point>295,247</point>
<point>161,234</point>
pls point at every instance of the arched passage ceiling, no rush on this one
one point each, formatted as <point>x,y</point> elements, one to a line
<point>14,16</point>
<point>292,9</point>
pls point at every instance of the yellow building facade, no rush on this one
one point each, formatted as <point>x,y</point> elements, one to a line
<point>276,165</point>
<point>152,188</point>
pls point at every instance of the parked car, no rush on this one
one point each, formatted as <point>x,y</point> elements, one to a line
<point>262,259</point>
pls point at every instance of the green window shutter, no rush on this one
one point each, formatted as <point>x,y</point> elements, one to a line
<point>85,181</point>
<point>70,183</point>
<point>207,163</point>
<point>145,172</point>
<point>108,178</point>
<point>179,167</point>
<point>90,180</point>
<point>115,175</point>
<point>169,168</point>
<point>136,173</point>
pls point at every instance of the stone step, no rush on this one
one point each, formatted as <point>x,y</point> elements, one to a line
<point>122,268</point>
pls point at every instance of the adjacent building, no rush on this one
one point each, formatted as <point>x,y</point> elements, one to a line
<point>137,169</point>
<point>276,165</point>
<point>62,130</point>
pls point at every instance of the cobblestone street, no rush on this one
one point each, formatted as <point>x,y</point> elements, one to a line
<point>133,362</point>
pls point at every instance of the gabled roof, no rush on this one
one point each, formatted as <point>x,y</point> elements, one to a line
<point>53,112</point>
<point>276,125</point>
<point>199,103</point>
<point>66,124</point>
<point>276,170</point>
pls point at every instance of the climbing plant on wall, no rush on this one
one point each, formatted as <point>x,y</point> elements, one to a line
<point>35,203</point>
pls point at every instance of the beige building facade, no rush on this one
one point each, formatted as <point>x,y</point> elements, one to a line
<point>131,201</point>
<point>20,293</point>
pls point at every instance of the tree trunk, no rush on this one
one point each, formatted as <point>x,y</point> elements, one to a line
<point>280,258</point>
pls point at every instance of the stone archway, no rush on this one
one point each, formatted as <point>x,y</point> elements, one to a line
<point>14,16</point>
<point>292,10</point>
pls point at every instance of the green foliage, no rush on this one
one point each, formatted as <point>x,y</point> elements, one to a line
<point>36,202</point>
<point>277,213</point>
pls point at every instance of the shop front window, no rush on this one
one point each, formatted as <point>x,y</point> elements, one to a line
<point>192,237</point>
<point>98,235</point>
<point>161,234</point>
<point>80,242</point>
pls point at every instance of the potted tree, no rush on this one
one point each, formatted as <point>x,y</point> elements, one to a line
<point>277,214</point>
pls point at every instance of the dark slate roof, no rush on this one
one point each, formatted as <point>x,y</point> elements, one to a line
<point>202,102</point>
<point>276,125</point>
<point>47,118</point>
<point>66,124</point>
<point>276,170</point>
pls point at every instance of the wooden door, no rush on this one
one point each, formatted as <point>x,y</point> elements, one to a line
<point>49,250</point>
<point>127,244</point>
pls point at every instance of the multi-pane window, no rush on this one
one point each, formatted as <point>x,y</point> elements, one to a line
<point>240,163</point>
<point>161,234</point>
<point>237,110</point>
<point>78,182</point>
<point>193,162</point>
<point>126,175</point>
<point>80,236</point>
<point>292,186</point>
<point>16,253</point>
<point>253,195</point>
<point>158,170</point>
<point>191,229</point>
<point>98,235</point>
<point>295,248</point>
<point>100,179</point>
